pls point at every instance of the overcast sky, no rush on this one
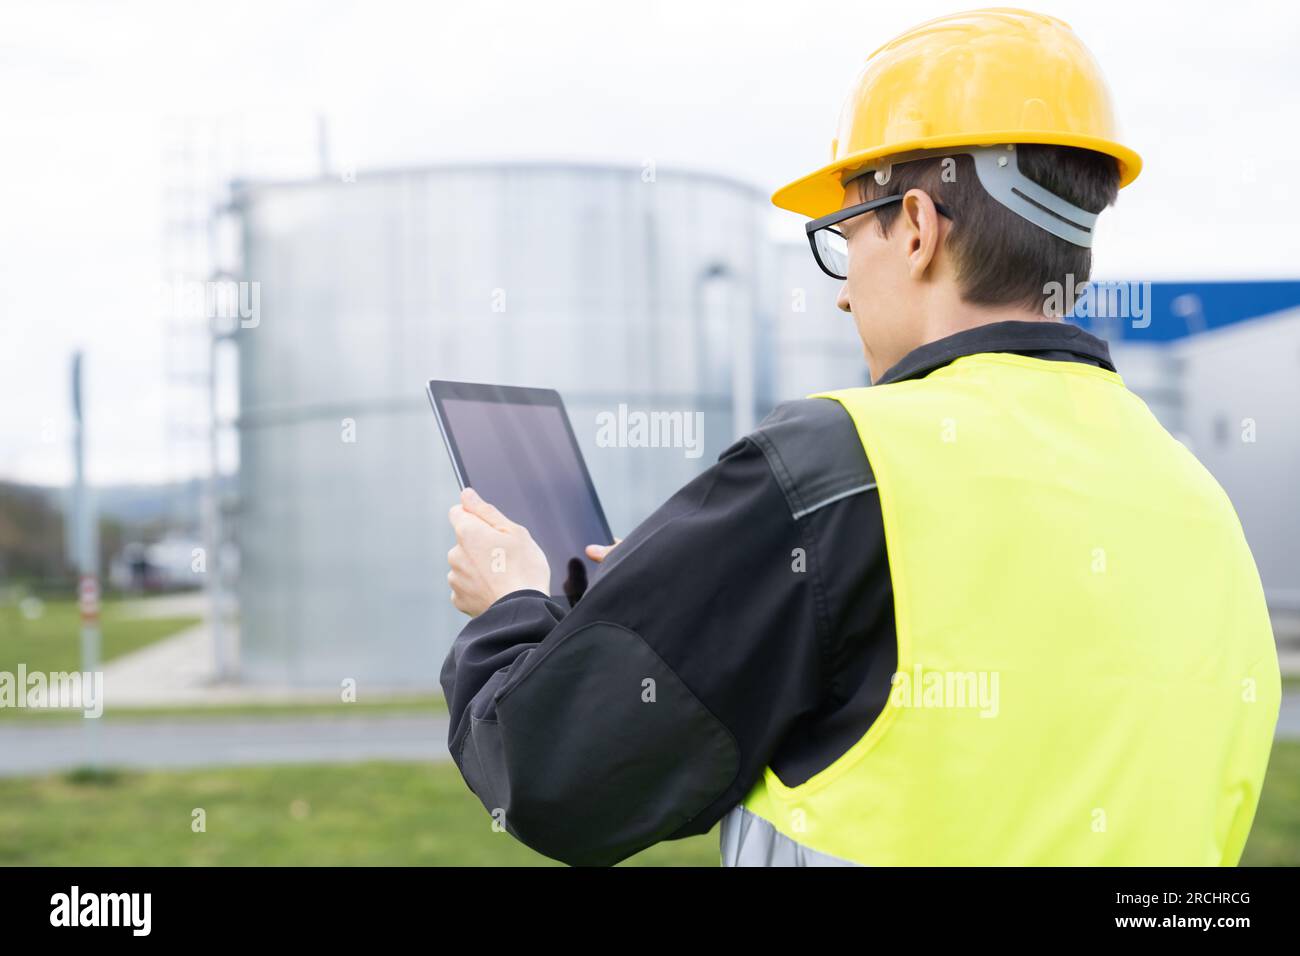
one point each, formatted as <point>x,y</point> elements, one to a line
<point>1206,92</point>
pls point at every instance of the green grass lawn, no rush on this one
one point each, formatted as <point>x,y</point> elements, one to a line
<point>403,704</point>
<point>372,813</point>
<point>52,642</point>
<point>1275,840</point>
<point>360,814</point>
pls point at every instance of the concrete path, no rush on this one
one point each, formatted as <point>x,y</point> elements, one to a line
<point>28,747</point>
<point>1288,719</point>
<point>180,604</point>
<point>180,671</point>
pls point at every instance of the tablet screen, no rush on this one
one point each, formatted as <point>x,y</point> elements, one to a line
<point>522,457</point>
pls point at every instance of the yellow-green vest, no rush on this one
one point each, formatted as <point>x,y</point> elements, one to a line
<point>1086,669</point>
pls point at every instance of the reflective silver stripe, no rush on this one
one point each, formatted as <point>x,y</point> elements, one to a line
<point>749,840</point>
<point>834,498</point>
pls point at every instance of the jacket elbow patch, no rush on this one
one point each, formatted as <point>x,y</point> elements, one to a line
<point>600,750</point>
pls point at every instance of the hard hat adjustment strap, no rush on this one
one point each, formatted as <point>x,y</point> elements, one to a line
<point>999,174</point>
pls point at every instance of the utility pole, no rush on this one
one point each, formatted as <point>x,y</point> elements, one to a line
<point>85,554</point>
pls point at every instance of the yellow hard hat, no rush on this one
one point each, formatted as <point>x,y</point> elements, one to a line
<point>970,79</point>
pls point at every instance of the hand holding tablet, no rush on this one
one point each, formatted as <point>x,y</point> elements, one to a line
<point>493,556</point>
<point>516,449</point>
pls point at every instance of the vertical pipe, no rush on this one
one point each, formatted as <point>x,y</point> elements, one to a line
<point>742,364</point>
<point>212,518</point>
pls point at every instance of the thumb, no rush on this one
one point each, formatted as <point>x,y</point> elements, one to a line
<point>598,552</point>
<point>471,502</point>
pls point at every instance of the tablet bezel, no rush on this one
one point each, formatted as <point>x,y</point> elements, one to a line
<point>438,389</point>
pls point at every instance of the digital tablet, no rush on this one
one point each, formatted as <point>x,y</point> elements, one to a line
<point>516,448</point>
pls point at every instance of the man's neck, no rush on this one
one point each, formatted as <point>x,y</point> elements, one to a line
<point>1052,340</point>
<point>960,317</point>
<point>949,318</point>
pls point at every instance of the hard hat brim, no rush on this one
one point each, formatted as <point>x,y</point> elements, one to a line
<point>822,192</point>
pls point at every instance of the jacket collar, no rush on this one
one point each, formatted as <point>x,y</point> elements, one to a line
<point>1051,340</point>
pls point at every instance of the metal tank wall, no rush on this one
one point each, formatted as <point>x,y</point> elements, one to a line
<point>592,280</point>
<point>816,345</point>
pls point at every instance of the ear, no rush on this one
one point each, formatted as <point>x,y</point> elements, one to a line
<point>920,230</point>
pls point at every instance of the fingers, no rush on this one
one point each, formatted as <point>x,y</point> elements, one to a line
<point>459,596</point>
<point>598,552</point>
<point>452,580</point>
<point>473,504</point>
<point>459,519</point>
<point>457,578</point>
<point>458,560</point>
<point>466,524</point>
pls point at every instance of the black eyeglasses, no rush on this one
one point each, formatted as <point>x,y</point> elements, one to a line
<point>831,249</point>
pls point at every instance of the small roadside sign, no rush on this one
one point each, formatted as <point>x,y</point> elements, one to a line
<point>88,598</point>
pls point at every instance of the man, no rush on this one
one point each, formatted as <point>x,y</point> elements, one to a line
<point>986,611</point>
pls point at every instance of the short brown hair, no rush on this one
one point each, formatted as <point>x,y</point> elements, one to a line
<point>1000,258</point>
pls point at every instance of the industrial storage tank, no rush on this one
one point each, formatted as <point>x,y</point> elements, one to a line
<point>618,286</point>
<point>817,348</point>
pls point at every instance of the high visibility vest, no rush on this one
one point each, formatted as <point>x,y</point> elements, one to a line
<point>1086,669</point>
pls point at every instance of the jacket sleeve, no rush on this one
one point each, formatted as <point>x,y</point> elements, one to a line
<point>649,709</point>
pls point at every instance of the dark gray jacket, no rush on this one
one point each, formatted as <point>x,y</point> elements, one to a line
<point>747,623</point>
